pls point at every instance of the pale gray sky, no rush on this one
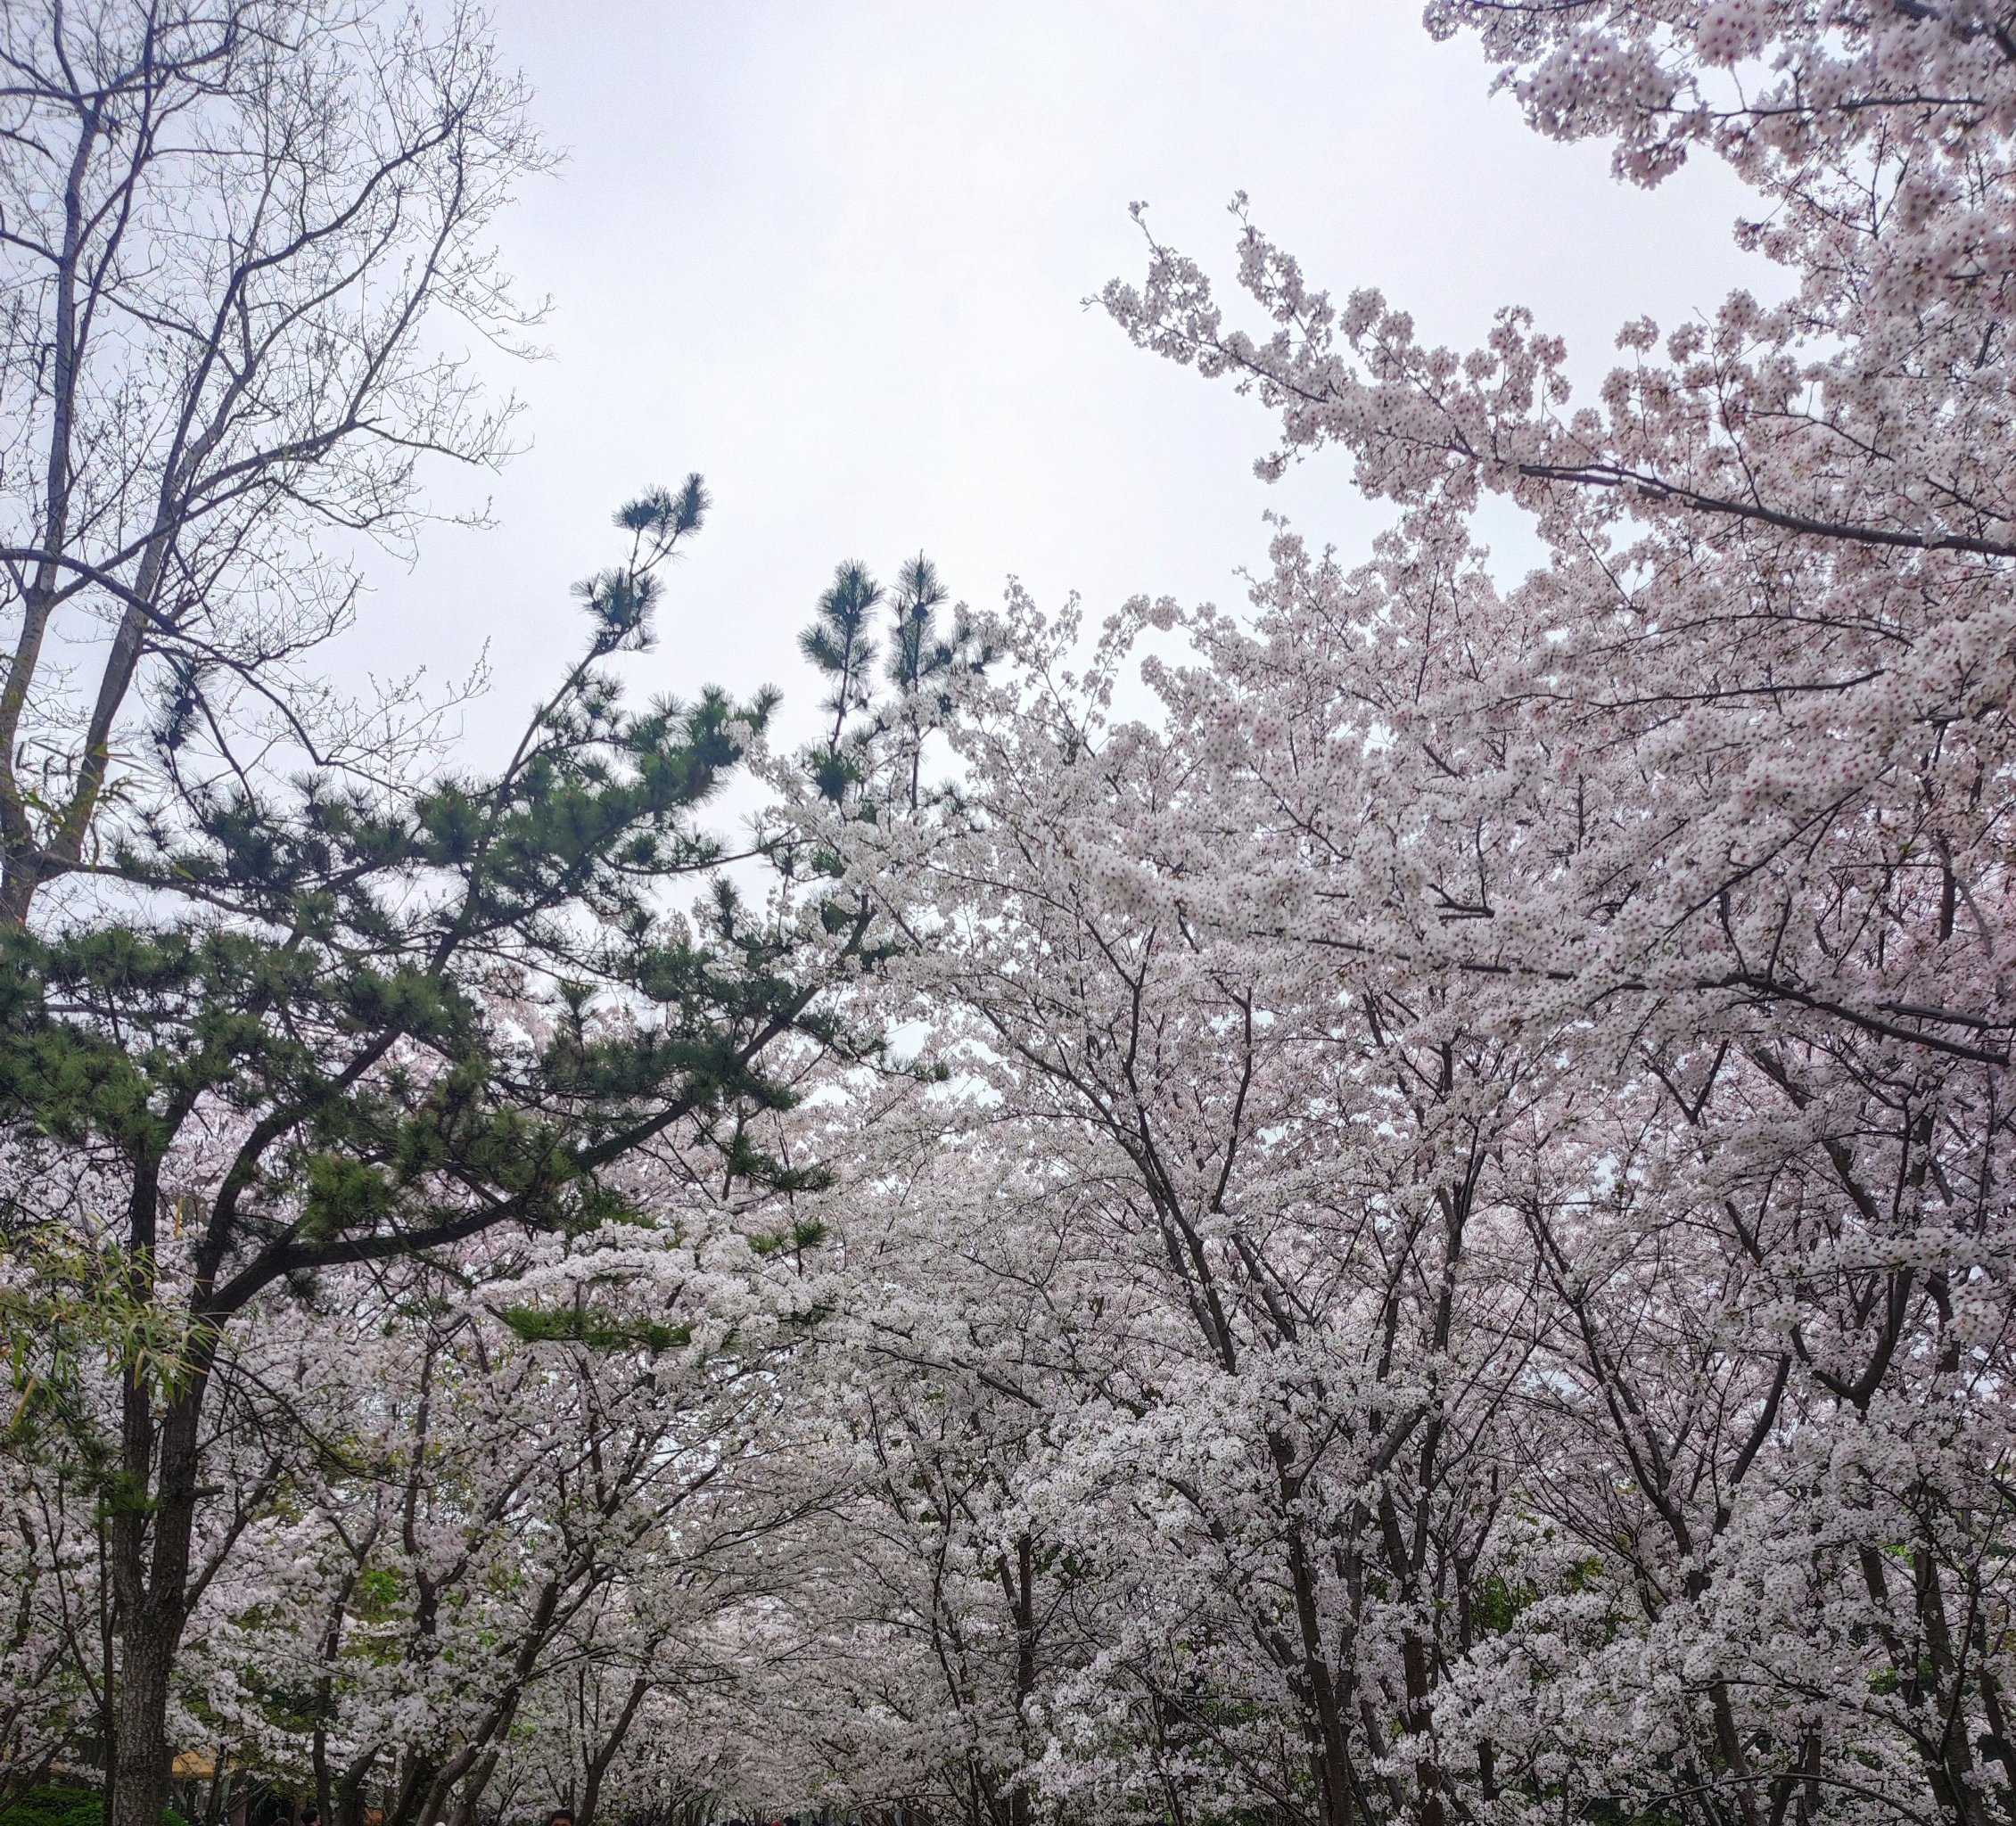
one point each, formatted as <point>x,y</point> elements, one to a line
<point>831,255</point>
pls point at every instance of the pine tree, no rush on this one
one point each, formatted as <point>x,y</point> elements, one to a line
<point>839,644</point>
<point>918,654</point>
<point>922,658</point>
<point>327,1025</point>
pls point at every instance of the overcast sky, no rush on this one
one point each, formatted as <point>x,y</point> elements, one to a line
<point>834,256</point>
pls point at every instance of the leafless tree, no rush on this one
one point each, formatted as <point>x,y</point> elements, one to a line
<point>234,234</point>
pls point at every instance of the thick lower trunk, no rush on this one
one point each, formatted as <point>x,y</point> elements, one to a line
<point>152,1542</point>
<point>1329,1732</point>
<point>598,1764</point>
<point>416,1779</point>
<point>140,1764</point>
<point>319,1772</point>
<point>1019,1583</point>
<point>471,1792</point>
<point>349,1792</point>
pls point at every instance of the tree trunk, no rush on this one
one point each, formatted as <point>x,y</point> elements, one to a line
<point>140,1764</point>
<point>151,1565</point>
<point>1024,1607</point>
<point>1331,1758</point>
<point>350,1791</point>
<point>598,1764</point>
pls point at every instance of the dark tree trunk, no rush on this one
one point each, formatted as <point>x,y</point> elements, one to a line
<point>598,1764</point>
<point>1021,1583</point>
<point>151,1549</point>
<point>349,1792</point>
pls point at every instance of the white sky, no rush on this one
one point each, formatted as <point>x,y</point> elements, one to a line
<point>833,256</point>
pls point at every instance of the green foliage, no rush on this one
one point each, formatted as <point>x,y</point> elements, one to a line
<point>419,1014</point>
<point>378,1589</point>
<point>838,644</point>
<point>923,659</point>
<point>599,1331</point>
<point>72,1305</point>
<point>52,1804</point>
<point>918,654</point>
<point>1496,1602</point>
<point>803,1235</point>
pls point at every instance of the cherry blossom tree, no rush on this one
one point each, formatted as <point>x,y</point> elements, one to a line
<point>1538,1053</point>
<point>1424,1239</point>
<point>1717,802</point>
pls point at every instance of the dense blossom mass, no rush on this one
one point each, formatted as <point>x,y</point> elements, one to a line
<point>1417,1235</point>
